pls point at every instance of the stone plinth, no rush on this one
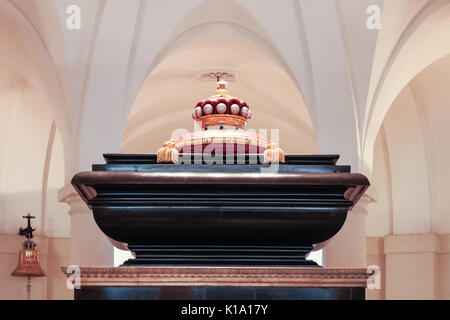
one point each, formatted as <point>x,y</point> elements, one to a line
<point>204,283</point>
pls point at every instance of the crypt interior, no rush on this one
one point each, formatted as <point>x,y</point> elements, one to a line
<point>127,80</point>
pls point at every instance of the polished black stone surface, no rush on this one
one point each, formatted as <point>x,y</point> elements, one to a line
<point>218,293</point>
<point>239,214</point>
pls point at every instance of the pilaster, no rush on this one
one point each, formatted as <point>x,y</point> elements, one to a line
<point>348,247</point>
<point>89,246</point>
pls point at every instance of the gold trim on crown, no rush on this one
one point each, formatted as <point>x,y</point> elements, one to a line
<point>222,120</point>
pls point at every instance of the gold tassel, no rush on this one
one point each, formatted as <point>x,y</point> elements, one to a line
<point>168,153</point>
<point>273,154</point>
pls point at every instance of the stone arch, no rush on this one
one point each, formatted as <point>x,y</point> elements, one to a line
<point>430,29</point>
<point>24,50</point>
<point>31,158</point>
<point>415,149</point>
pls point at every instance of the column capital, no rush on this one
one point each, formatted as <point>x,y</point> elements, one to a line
<point>444,243</point>
<point>88,245</point>
<point>68,195</point>
<point>361,205</point>
<point>412,243</point>
<point>359,209</point>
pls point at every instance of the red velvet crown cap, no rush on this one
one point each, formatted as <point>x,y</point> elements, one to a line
<point>213,110</point>
<point>222,118</point>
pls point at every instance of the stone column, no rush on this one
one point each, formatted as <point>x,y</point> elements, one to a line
<point>412,266</point>
<point>444,267</point>
<point>89,246</point>
<point>348,247</point>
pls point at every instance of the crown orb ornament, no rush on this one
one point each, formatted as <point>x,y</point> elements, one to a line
<point>222,88</point>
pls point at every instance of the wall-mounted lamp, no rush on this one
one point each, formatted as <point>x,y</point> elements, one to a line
<point>28,265</point>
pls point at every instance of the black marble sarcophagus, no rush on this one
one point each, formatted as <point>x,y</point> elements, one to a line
<point>221,196</point>
<point>220,214</point>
